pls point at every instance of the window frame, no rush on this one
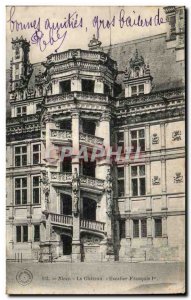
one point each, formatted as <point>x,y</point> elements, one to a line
<point>22,233</point>
<point>140,228</point>
<point>137,139</point>
<point>157,219</point>
<point>121,179</point>
<point>36,152</point>
<point>137,88</point>
<point>138,177</point>
<point>21,190</point>
<point>22,113</point>
<point>36,187</point>
<point>38,239</point>
<point>20,155</point>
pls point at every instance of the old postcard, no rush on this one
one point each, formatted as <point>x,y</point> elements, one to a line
<point>95,150</point>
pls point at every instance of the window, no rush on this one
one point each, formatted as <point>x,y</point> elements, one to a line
<point>120,139</point>
<point>88,85</point>
<point>106,89</point>
<point>36,189</point>
<point>38,107</point>
<point>20,190</point>
<point>143,228</point>
<point>138,180</point>
<point>134,90</point>
<point>135,228</point>
<point>67,165</point>
<point>137,89</point>
<point>65,86</point>
<point>158,227</point>
<point>138,140</point>
<point>122,229</point>
<point>140,228</point>
<point>89,126</point>
<point>17,53</point>
<point>21,111</point>
<point>120,174</point>
<point>36,233</point>
<point>22,234</point>
<point>36,154</point>
<point>20,156</point>
<point>66,124</point>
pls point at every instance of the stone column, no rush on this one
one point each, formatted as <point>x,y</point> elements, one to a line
<point>164,231</point>
<point>127,188</point>
<point>149,231</point>
<point>76,246</point>
<point>147,137</point>
<point>128,232</point>
<point>50,153</point>
<point>148,185</point>
<point>162,130</point>
<point>76,84</point>
<point>163,183</point>
<point>99,86</point>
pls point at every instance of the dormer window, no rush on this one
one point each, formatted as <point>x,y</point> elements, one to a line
<point>137,90</point>
<point>138,80</point>
<point>137,70</point>
<point>17,53</point>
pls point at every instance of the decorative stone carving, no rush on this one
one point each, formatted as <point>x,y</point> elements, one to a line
<point>178,178</point>
<point>46,187</point>
<point>94,44</point>
<point>155,139</point>
<point>84,137</point>
<point>156,180</point>
<point>106,116</point>
<point>176,135</point>
<point>75,191</point>
<point>109,194</point>
<point>61,134</point>
<point>48,118</point>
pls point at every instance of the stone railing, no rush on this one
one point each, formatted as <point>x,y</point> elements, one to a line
<point>61,134</point>
<point>91,182</point>
<point>61,177</point>
<point>87,181</point>
<point>155,96</point>
<point>94,97</point>
<point>81,54</point>
<point>62,219</point>
<point>23,119</point>
<point>92,225</point>
<point>90,139</point>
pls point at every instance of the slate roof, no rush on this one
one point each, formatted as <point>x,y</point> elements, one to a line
<point>166,72</point>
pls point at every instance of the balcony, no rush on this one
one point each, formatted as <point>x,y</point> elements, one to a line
<point>61,219</point>
<point>90,139</point>
<point>81,96</point>
<point>86,182</point>
<point>92,225</point>
<point>59,135</point>
<point>85,225</point>
<point>61,178</point>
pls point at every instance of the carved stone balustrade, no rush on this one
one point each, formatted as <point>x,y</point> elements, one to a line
<point>67,221</point>
<point>61,177</point>
<point>91,182</point>
<point>59,134</point>
<point>81,96</point>
<point>61,219</point>
<point>90,139</point>
<point>85,181</point>
<point>92,225</point>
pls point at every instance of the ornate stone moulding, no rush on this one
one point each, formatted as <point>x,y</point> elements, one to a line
<point>90,182</point>
<point>82,96</point>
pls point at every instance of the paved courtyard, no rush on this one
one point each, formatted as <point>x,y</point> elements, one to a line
<point>95,278</point>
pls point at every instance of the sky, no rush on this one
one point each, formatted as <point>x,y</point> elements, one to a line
<point>89,20</point>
